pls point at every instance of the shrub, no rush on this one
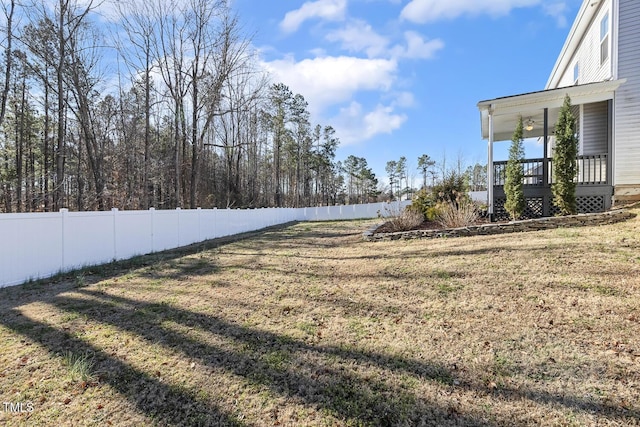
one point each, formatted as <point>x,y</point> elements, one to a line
<point>457,213</point>
<point>434,212</point>
<point>452,187</point>
<point>406,220</point>
<point>565,166</point>
<point>422,202</point>
<point>513,185</point>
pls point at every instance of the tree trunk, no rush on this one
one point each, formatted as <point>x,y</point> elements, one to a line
<point>58,198</point>
<point>195,143</point>
<point>8,63</point>
<point>45,137</point>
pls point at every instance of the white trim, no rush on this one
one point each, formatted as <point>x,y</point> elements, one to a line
<point>490,178</point>
<point>615,36</point>
<point>544,96</point>
<point>612,120</point>
<point>581,128</point>
<point>530,103</point>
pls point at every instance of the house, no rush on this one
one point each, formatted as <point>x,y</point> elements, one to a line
<point>599,68</point>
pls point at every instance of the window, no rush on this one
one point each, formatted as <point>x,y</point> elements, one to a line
<point>604,39</point>
<point>576,72</point>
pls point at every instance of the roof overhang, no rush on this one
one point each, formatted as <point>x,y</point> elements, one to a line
<point>505,111</point>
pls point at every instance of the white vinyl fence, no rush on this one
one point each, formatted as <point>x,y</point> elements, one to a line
<point>479,196</point>
<point>39,245</point>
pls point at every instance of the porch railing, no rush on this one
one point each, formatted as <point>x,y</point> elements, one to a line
<point>592,170</point>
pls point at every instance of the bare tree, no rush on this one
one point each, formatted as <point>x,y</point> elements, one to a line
<point>219,55</point>
<point>137,21</point>
<point>235,129</point>
<point>81,72</point>
<point>169,50</point>
<point>53,37</point>
<point>8,55</point>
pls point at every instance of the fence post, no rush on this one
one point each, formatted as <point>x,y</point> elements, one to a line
<point>216,233</point>
<point>199,209</point>
<point>114,212</point>
<point>63,220</point>
<point>178,220</point>
<point>152,219</point>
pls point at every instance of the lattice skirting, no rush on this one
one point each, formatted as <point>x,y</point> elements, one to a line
<point>588,204</point>
<point>535,206</point>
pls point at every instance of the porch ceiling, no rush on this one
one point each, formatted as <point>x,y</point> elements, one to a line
<point>505,111</point>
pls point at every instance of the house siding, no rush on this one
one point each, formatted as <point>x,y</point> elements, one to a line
<point>627,101</point>
<point>575,110</point>
<point>594,136</point>
<point>588,53</point>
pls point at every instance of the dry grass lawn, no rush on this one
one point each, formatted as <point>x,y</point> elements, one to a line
<point>308,325</point>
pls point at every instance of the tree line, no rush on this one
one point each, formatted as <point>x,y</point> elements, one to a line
<point>168,109</point>
<point>431,173</point>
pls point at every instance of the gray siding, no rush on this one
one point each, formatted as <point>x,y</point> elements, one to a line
<point>627,102</point>
<point>595,128</point>
<point>575,110</point>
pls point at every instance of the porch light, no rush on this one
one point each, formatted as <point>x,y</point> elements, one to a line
<point>529,125</point>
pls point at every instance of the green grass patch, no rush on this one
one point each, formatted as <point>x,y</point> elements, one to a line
<point>80,366</point>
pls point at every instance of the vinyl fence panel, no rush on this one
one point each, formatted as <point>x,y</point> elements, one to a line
<point>88,239</point>
<point>31,246</point>
<point>39,245</point>
<point>134,233</point>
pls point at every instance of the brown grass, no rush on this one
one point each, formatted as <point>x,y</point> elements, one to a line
<point>309,325</point>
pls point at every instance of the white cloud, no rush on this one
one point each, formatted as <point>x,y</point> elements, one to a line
<point>417,47</point>
<point>405,100</point>
<point>557,10</point>
<point>331,80</point>
<point>332,10</point>
<point>382,120</point>
<point>359,36</point>
<point>354,125</point>
<point>334,82</point>
<point>423,11</point>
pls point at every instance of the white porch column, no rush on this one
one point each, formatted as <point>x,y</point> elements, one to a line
<point>490,166</point>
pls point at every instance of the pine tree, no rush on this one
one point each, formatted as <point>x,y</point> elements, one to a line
<point>565,165</point>
<point>391,173</point>
<point>424,165</point>
<point>513,186</point>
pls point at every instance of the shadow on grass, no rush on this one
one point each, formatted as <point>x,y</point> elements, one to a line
<point>300,371</point>
<point>303,374</point>
<point>169,405</point>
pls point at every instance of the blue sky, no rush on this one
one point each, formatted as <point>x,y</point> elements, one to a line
<point>403,77</point>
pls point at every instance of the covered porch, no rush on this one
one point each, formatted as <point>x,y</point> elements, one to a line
<point>592,105</point>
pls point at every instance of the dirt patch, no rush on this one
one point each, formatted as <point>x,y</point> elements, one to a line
<point>309,325</point>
